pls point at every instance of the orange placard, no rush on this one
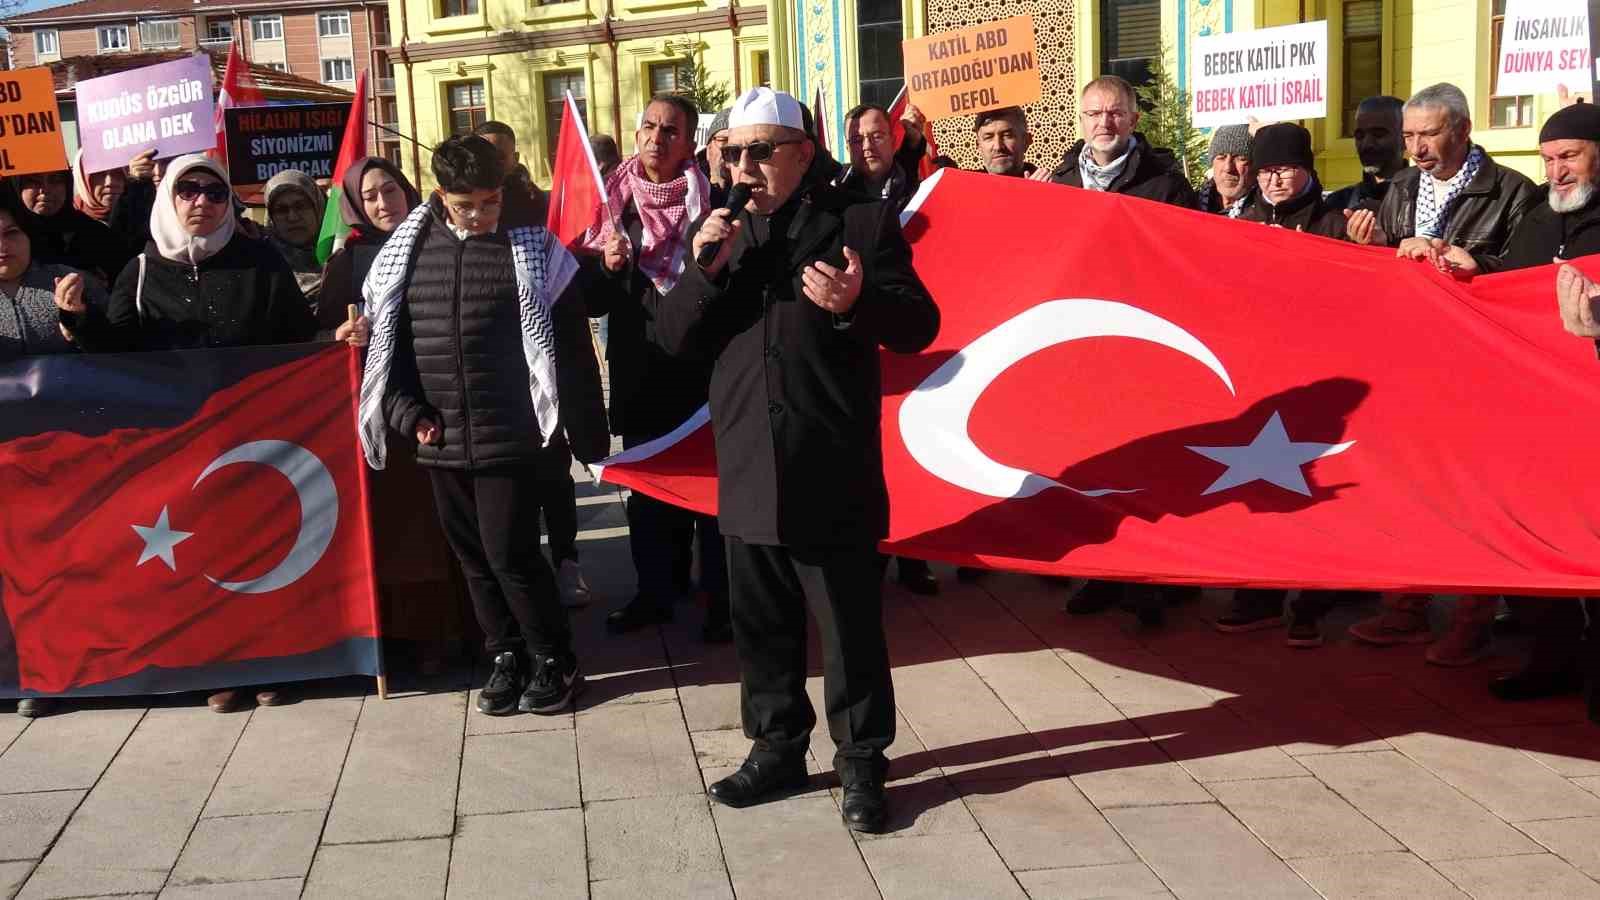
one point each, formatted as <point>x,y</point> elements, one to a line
<point>30,123</point>
<point>969,70</point>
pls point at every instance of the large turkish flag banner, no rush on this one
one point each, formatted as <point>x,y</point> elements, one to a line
<point>1126,390</point>
<point>183,520</point>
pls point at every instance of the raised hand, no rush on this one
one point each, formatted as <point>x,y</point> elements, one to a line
<point>833,289</point>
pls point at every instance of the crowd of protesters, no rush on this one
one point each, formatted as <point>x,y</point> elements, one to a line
<point>463,294</point>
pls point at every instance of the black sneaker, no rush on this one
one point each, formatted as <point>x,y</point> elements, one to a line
<point>556,682</point>
<point>1252,610</point>
<point>1303,631</point>
<point>499,694</point>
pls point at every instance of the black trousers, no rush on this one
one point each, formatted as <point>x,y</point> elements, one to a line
<point>771,588</point>
<point>662,540</point>
<point>491,520</point>
<point>559,500</point>
<point>1558,627</point>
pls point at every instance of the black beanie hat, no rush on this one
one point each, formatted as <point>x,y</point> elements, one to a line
<point>1578,122</point>
<point>1283,144</point>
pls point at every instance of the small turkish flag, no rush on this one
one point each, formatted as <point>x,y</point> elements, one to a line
<point>577,192</point>
<point>238,532</point>
<point>1160,394</point>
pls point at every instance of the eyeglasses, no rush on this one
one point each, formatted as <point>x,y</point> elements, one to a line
<point>876,137</point>
<point>1277,173</point>
<point>760,151</point>
<point>468,211</point>
<point>1110,115</point>
<point>190,190</point>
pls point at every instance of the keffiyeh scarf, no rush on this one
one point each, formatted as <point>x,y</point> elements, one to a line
<point>1431,216</point>
<point>544,268</point>
<point>665,213</point>
<point>1098,177</point>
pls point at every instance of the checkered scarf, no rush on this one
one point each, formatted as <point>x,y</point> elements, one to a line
<point>544,268</point>
<point>1097,177</point>
<point>1432,218</point>
<point>665,213</point>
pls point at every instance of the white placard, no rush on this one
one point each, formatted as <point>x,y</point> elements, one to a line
<point>1273,74</point>
<point>1545,44</point>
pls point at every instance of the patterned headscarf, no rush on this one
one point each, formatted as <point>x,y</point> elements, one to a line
<point>83,194</point>
<point>1431,218</point>
<point>665,213</point>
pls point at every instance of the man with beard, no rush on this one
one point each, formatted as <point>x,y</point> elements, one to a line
<point>1454,193</point>
<point>806,285</point>
<point>1003,141</point>
<point>1232,187</point>
<point>1116,158</point>
<point>1382,154</point>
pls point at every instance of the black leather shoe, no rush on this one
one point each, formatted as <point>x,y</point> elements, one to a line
<point>1531,685</point>
<point>757,781</point>
<point>865,807</point>
<point>637,615</point>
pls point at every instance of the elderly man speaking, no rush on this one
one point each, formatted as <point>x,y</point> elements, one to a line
<point>805,285</point>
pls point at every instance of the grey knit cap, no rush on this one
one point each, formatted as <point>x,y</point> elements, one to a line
<point>1230,140</point>
<point>719,122</point>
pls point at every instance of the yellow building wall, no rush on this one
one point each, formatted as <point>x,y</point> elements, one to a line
<point>514,82</point>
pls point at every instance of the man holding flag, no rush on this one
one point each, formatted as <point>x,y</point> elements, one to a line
<point>643,248</point>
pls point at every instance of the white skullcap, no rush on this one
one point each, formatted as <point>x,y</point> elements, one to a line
<point>765,106</point>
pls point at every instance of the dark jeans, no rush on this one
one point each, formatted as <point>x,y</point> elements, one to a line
<point>491,520</point>
<point>662,539</point>
<point>771,588</point>
<point>558,499</point>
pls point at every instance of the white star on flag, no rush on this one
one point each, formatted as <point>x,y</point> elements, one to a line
<point>1271,457</point>
<point>159,539</point>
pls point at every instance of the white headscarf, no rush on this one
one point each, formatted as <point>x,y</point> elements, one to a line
<point>172,239</point>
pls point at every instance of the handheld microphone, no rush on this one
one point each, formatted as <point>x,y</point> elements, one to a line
<point>737,198</point>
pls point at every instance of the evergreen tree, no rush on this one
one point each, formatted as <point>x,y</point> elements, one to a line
<point>1166,121</point>
<point>695,82</point>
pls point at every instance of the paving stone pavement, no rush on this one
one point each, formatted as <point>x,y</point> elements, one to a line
<point>1038,755</point>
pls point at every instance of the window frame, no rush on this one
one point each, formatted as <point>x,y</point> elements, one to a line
<point>334,60</point>
<point>467,8</point>
<point>1125,66</point>
<point>101,31</point>
<point>482,112</point>
<point>880,90</point>
<point>213,21</point>
<point>1352,96</point>
<point>336,15</point>
<point>555,107</point>
<point>1523,102</point>
<point>257,21</point>
<point>146,44</point>
<point>55,42</point>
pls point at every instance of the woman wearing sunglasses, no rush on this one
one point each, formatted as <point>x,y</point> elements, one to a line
<point>200,282</point>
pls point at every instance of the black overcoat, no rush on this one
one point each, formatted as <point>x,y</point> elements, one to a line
<point>796,395</point>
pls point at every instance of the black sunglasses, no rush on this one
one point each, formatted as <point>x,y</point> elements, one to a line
<point>188,190</point>
<point>760,151</point>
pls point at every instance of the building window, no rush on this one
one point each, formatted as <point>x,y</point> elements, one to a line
<point>266,28</point>
<point>111,38</point>
<point>763,68</point>
<point>879,33</point>
<point>46,43</point>
<point>448,8</point>
<point>219,31</point>
<point>159,34</point>
<point>670,77</point>
<point>468,106</point>
<point>556,86</point>
<point>1363,56</point>
<point>1130,38</point>
<point>338,69</point>
<point>1504,112</point>
<point>280,66</point>
<point>333,24</point>
<point>390,150</point>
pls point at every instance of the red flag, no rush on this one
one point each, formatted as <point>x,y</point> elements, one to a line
<point>576,189</point>
<point>353,147</point>
<point>1188,398</point>
<point>897,111</point>
<point>897,130</point>
<point>234,530</point>
<point>238,89</point>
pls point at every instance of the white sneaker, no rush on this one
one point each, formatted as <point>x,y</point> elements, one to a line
<point>569,580</point>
